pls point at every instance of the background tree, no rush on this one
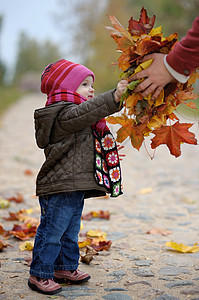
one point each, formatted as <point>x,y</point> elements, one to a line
<point>2,65</point>
<point>31,60</point>
<point>33,55</point>
<point>78,20</point>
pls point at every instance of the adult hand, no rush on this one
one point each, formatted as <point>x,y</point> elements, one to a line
<point>157,76</point>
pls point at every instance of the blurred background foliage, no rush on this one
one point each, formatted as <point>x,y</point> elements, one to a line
<point>86,41</point>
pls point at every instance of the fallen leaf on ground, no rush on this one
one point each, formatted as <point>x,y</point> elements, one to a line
<point>96,239</point>
<point>3,231</point>
<point>84,243</point>
<point>4,203</point>
<point>102,245</point>
<point>96,233</point>
<point>188,200</point>
<point>96,214</point>
<point>17,197</point>
<point>20,216</point>
<point>145,191</point>
<point>88,257</point>
<point>183,248</point>
<point>3,245</point>
<point>23,231</point>
<point>159,231</point>
<point>28,172</point>
<point>26,246</point>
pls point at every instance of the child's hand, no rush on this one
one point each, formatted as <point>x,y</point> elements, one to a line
<point>120,89</point>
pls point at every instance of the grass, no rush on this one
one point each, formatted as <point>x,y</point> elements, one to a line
<point>8,96</point>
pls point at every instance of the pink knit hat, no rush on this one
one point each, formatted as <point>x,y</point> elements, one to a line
<point>63,75</point>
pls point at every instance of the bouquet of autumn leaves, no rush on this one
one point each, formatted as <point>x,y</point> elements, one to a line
<point>143,116</point>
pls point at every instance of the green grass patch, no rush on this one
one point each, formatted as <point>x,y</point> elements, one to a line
<point>8,96</point>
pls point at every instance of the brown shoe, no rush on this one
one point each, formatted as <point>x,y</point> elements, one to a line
<point>44,286</point>
<point>74,277</point>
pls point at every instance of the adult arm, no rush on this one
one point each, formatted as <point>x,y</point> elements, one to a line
<point>178,64</point>
<point>184,57</point>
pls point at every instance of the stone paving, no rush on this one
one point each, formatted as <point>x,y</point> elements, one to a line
<point>160,193</point>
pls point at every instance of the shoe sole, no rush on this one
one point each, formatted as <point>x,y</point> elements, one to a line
<point>35,288</point>
<point>64,280</point>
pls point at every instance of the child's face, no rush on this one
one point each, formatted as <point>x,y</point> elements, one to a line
<point>86,88</point>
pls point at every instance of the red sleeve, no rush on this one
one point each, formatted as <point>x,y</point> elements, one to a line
<point>184,57</point>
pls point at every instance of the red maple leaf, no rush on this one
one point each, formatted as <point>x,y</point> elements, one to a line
<point>143,25</point>
<point>102,246</point>
<point>96,214</point>
<point>173,136</point>
<point>23,231</point>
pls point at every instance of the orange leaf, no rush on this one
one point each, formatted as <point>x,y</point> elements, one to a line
<point>18,198</point>
<point>3,231</point>
<point>125,131</point>
<point>23,232</point>
<point>3,245</point>
<point>137,136</point>
<point>12,217</point>
<point>116,24</point>
<point>28,172</point>
<point>191,105</point>
<point>133,99</point>
<point>173,136</point>
<point>147,46</point>
<point>96,214</point>
<point>122,120</point>
<point>159,231</point>
<point>186,95</point>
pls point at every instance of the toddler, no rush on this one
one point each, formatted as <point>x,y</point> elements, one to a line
<point>81,161</point>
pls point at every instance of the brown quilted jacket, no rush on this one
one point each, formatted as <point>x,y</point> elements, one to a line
<point>64,131</point>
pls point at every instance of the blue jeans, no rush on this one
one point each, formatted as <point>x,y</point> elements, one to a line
<point>56,241</point>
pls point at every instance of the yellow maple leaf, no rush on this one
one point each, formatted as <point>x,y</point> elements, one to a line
<point>145,191</point>
<point>84,243</point>
<point>156,121</point>
<point>26,246</point>
<point>143,66</point>
<point>160,99</point>
<point>96,233</point>
<point>156,31</point>
<point>183,248</point>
